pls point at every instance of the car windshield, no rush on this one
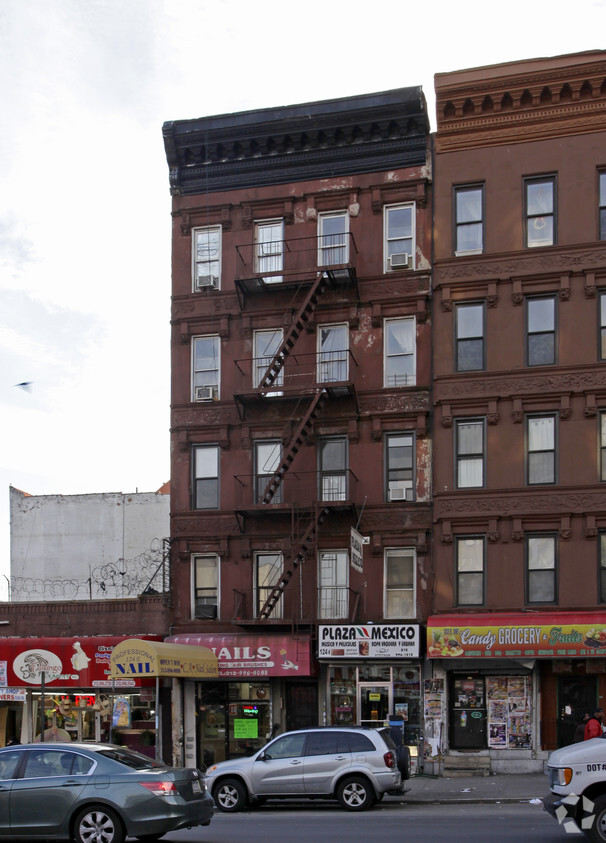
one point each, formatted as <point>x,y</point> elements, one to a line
<point>134,760</point>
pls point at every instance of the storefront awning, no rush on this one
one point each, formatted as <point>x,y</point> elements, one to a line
<point>135,657</point>
<point>517,634</point>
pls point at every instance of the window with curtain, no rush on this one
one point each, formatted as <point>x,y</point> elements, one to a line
<point>206,587</point>
<point>400,352</point>
<point>334,584</point>
<point>541,331</point>
<point>602,201</point>
<point>206,477</point>
<point>602,317</point>
<point>540,211</point>
<point>206,257</point>
<point>469,449</point>
<point>333,243</point>
<point>269,249</point>
<point>541,569</point>
<point>268,570</point>
<point>333,361</point>
<point>541,449</point>
<point>205,367</point>
<point>469,330</point>
<point>470,552</point>
<point>400,592</point>
<point>267,461</point>
<point>469,219</point>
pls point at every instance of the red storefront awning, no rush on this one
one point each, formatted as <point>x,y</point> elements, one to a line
<point>517,634</point>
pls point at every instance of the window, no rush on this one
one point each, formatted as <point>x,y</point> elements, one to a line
<point>327,743</point>
<point>470,552</point>
<point>541,569</point>
<point>400,362</point>
<point>603,446</point>
<point>334,584</point>
<point>267,344</point>
<point>399,227</point>
<point>267,461</point>
<point>602,571</point>
<point>540,221</point>
<point>268,570</point>
<point>206,257</point>
<point>333,244</point>
<point>288,746</point>
<point>469,219</point>
<point>541,331</point>
<point>469,332</point>
<point>602,200</point>
<point>332,455</point>
<point>333,353</point>
<point>206,477</point>
<point>602,352</point>
<point>541,450</point>
<point>399,461</point>
<point>469,449</point>
<point>269,249</point>
<point>205,368</point>
<point>400,597</point>
<point>206,586</point>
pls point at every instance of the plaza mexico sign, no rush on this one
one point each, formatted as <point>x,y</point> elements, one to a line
<point>539,635</point>
<point>368,641</point>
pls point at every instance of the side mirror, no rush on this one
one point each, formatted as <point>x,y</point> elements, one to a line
<point>262,756</point>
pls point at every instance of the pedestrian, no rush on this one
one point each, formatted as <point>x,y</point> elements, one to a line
<point>593,727</point>
<point>14,741</point>
<point>579,732</point>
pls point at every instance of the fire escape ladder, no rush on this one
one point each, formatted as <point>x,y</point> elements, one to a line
<point>308,538</point>
<point>294,445</point>
<point>293,333</point>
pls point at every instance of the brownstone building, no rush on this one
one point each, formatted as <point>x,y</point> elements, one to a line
<point>519,392</point>
<point>300,411</point>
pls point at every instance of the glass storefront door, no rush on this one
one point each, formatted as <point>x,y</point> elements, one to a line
<point>374,703</point>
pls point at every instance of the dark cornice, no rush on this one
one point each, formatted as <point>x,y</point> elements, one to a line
<point>317,140</point>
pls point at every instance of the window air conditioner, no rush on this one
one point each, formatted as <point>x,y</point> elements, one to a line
<point>207,282</point>
<point>399,261</point>
<point>205,393</point>
<point>401,493</point>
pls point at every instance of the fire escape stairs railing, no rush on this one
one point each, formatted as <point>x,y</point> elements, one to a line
<point>298,557</point>
<point>294,445</point>
<point>301,319</point>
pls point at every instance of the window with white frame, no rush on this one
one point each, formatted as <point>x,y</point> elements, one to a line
<point>400,466</point>
<point>469,219</point>
<point>266,346</point>
<point>541,569</point>
<point>470,453</point>
<point>541,331</point>
<point>603,445</point>
<point>400,352</point>
<point>540,211</point>
<point>268,454</point>
<point>268,570</point>
<point>602,203</point>
<point>399,228</point>
<point>205,368</point>
<point>602,326</point>
<point>470,561</point>
<point>469,330</point>
<point>333,238</point>
<point>332,457</point>
<point>400,583</point>
<point>206,476</point>
<point>206,255</point>
<point>602,567</point>
<point>334,584</point>
<point>333,355</point>
<point>541,449</point>
<point>269,250</point>
<point>206,586</point>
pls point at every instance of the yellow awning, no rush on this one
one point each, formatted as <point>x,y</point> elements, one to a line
<point>134,657</point>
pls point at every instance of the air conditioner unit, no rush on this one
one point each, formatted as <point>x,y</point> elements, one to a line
<point>401,493</point>
<point>399,261</point>
<point>207,282</point>
<point>205,393</point>
<point>208,610</point>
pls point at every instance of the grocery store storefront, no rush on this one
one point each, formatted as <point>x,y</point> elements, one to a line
<point>511,686</point>
<point>371,674</point>
<point>266,683</point>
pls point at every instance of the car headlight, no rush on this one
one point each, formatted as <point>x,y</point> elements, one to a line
<point>560,776</point>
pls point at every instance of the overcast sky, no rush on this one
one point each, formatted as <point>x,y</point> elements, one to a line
<point>85,86</point>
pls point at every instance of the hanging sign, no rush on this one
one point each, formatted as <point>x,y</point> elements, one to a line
<point>356,551</point>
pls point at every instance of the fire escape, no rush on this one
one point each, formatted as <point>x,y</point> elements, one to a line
<point>293,377</point>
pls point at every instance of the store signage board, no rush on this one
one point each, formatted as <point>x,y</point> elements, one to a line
<point>514,636</point>
<point>356,551</point>
<point>368,641</point>
<point>13,694</point>
<point>253,656</point>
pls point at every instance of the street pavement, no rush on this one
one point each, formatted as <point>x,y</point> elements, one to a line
<point>510,787</point>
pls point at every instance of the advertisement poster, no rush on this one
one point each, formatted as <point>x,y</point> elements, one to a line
<point>373,641</point>
<point>508,699</point>
<point>121,715</point>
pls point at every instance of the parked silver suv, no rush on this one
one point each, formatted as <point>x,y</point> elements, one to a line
<point>355,765</point>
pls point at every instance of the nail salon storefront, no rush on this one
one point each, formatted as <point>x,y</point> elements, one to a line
<point>512,686</point>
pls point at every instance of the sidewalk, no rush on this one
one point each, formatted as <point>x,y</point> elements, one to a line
<point>467,789</point>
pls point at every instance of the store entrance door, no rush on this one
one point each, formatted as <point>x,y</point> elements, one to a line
<point>468,713</point>
<point>577,695</point>
<point>374,703</point>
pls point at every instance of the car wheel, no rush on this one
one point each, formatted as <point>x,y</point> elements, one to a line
<point>597,832</point>
<point>98,824</point>
<point>403,760</point>
<point>230,795</point>
<point>355,793</point>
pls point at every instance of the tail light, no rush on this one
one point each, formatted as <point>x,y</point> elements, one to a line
<point>160,788</point>
<point>390,759</point>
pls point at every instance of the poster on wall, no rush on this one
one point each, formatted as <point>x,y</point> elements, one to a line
<point>433,715</point>
<point>509,712</point>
